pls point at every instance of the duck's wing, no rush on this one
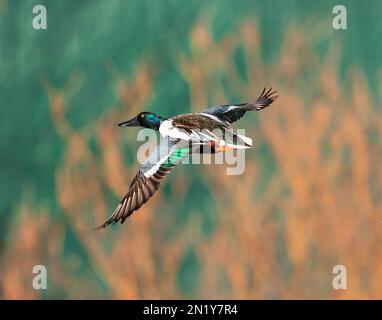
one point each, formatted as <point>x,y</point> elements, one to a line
<point>233,112</point>
<point>204,130</point>
<point>146,182</point>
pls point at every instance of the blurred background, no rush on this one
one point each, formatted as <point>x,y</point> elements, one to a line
<point>310,197</point>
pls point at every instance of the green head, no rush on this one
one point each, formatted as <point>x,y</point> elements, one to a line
<point>144,119</point>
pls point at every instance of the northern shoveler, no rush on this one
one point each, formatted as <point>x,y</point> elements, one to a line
<point>183,134</point>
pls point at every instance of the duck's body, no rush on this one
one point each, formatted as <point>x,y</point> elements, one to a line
<point>203,129</point>
<point>182,135</point>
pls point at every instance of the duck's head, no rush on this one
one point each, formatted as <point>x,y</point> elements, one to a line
<point>144,119</point>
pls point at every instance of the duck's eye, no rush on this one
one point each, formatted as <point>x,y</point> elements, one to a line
<point>142,116</point>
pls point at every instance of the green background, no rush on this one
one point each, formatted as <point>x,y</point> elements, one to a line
<point>87,48</point>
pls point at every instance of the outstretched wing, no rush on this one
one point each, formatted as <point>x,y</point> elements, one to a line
<point>146,182</point>
<point>232,113</point>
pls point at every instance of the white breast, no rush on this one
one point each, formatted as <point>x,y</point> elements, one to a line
<point>167,129</point>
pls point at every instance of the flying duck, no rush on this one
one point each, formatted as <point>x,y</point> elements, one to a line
<point>209,131</point>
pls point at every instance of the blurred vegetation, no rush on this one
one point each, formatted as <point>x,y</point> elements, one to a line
<point>310,197</point>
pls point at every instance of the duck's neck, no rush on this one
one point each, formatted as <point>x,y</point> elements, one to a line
<point>153,121</point>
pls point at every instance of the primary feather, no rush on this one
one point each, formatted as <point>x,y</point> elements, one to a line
<point>233,112</point>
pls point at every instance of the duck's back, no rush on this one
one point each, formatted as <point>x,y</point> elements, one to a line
<point>198,121</point>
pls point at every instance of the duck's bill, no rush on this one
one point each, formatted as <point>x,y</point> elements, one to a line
<point>129,123</point>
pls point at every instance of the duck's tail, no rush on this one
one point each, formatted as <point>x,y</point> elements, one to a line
<point>236,141</point>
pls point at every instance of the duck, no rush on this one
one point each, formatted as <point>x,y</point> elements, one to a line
<point>208,131</point>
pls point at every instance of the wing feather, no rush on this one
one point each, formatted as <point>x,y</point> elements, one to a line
<point>146,182</point>
<point>234,112</point>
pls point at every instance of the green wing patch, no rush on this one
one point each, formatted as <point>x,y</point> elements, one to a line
<point>176,157</point>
